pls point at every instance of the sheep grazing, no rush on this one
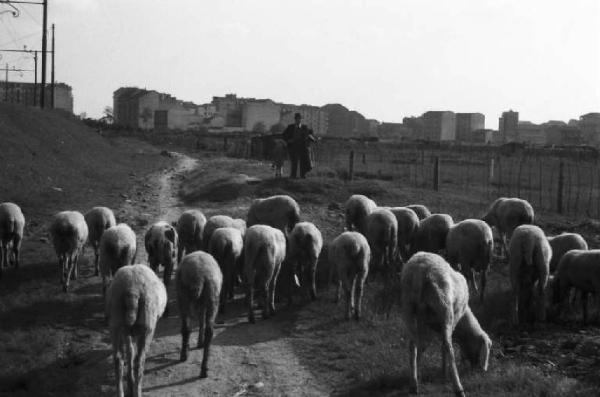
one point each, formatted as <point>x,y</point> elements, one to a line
<point>117,249</point>
<point>135,300</point>
<point>190,228</point>
<point>508,213</point>
<point>199,281</point>
<point>305,244</point>
<point>529,261</point>
<point>382,235</point>
<point>161,242</point>
<point>68,233</point>
<point>226,245</point>
<point>357,209</point>
<point>578,269</point>
<point>435,299</point>
<point>264,251</point>
<point>431,234</point>
<point>350,254</point>
<point>408,224</point>
<point>12,223</point>
<point>470,243</point>
<point>278,156</point>
<point>281,212</point>
<point>218,221</point>
<point>421,211</point>
<point>98,219</point>
<point>562,244</point>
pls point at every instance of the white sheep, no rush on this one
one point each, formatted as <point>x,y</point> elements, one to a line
<point>264,251</point>
<point>421,210</point>
<point>218,221</point>
<point>117,249</point>
<point>382,235</point>
<point>198,281</point>
<point>281,212</point>
<point>579,269</point>
<point>226,245</point>
<point>350,254</point>
<point>135,300</point>
<point>278,156</point>
<point>161,242</point>
<point>562,244</point>
<point>68,233</point>
<point>305,245</point>
<point>98,219</point>
<point>12,223</point>
<point>508,213</point>
<point>435,299</point>
<point>470,243</point>
<point>190,228</point>
<point>408,224</point>
<point>357,209</point>
<point>431,234</point>
<point>529,262</point>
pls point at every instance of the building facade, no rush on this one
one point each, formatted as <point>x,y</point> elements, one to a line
<point>439,126</point>
<point>260,111</point>
<point>28,94</point>
<point>312,116</point>
<point>345,123</point>
<point>590,128</point>
<point>466,123</point>
<point>507,126</point>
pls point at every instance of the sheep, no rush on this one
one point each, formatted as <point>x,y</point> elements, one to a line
<point>12,223</point>
<point>161,242</point>
<point>408,224</point>
<point>281,212</point>
<point>227,247</point>
<point>98,219</point>
<point>199,281</point>
<point>68,233</point>
<point>578,269</point>
<point>264,251</point>
<point>508,213</point>
<point>421,211</point>
<point>135,300</point>
<point>190,228</point>
<point>217,221</point>
<point>382,235</point>
<point>357,208</point>
<point>529,261</point>
<point>305,244</point>
<point>435,299</point>
<point>470,243</point>
<point>117,249</point>
<point>278,156</point>
<point>431,234</point>
<point>350,253</point>
<point>562,244</point>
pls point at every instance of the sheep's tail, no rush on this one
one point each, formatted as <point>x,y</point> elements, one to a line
<point>131,303</point>
<point>9,225</point>
<point>253,254</point>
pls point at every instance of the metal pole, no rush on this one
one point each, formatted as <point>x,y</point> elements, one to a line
<point>35,84</point>
<point>52,78</point>
<point>44,47</point>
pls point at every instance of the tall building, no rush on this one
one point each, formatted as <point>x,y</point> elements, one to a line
<point>28,94</point>
<point>345,123</point>
<point>257,111</point>
<point>507,126</point>
<point>466,123</point>
<point>230,107</point>
<point>312,116</point>
<point>439,126</point>
<point>590,127</point>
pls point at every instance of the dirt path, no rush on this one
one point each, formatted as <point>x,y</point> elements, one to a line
<point>245,359</point>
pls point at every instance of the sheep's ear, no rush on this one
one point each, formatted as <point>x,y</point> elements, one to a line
<point>484,353</point>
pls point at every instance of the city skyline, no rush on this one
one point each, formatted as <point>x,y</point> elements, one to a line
<point>386,60</point>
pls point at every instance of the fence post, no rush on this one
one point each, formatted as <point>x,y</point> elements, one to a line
<point>351,165</point>
<point>491,170</point>
<point>224,144</point>
<point>561,181</point>
<point>436,173</point>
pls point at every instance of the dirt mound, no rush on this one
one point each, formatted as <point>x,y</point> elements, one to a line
<point>222,189</point>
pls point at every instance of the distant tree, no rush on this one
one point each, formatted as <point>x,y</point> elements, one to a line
<point>146,115</point>
<point>259,128</point>
<point>277,128</point>
<point>108,116</point>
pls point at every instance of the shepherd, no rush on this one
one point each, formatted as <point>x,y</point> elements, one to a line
<point>298,138</point>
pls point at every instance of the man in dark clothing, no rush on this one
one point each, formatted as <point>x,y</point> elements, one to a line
<point>298,138</point>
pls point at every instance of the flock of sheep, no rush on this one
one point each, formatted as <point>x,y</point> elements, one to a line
<point>436,260</point>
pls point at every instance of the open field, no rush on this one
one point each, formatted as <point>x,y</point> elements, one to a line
<point>56,344</point>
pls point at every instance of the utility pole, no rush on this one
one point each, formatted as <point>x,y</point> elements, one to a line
<point>44,47</point>
<point>52,76</point>
<point>35,84</point>
<point>6,85</point>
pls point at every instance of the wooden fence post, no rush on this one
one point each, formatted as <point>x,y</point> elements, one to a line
<point>351,165</point>
<point>492,170</point>
<point>561,181</point>
<point>436,173</point>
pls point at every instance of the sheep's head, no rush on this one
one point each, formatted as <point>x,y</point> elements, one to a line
<point>477,351</point>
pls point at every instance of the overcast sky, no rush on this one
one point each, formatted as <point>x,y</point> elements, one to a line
<point>386,59</point>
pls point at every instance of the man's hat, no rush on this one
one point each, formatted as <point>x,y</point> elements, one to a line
<point>297,116</point>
